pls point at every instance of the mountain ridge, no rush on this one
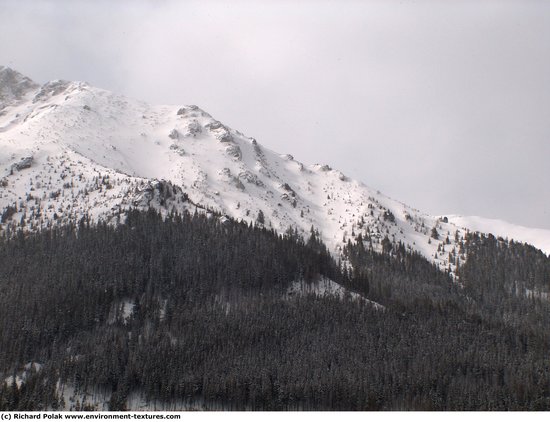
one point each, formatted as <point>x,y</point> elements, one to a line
<point>70,150</point>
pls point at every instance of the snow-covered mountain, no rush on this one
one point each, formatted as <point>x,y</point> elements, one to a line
<point>68,149</point>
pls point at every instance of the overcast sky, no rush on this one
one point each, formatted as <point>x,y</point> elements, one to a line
<point>443,105</point>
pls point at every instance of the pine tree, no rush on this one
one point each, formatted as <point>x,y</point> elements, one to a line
<point>261,218</point>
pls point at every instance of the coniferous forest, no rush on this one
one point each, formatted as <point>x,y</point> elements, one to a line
<point>191,307</point>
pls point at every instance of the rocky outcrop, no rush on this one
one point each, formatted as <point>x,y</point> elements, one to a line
<point>221,132</point>
<point>22,164</point>
<point>13,86</point>
<point>250,177</point>
<point>177,148</point>
<point>51,89</point>
<point>174,134</point>
<point>158,193</point>
<point>193,128</point>
<point>226,175</point>
<point>288,194</point>
<point>234,151</point>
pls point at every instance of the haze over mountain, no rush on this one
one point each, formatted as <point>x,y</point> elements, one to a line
<point>70,149</point>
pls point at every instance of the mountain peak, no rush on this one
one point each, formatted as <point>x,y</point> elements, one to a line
<point>13,86</point>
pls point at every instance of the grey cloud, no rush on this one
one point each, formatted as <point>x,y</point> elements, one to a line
<point>443,105</point>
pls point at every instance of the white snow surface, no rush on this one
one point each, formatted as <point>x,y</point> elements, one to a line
<point>68,149</point>
<point>324,286</point>
<point>22,374</point>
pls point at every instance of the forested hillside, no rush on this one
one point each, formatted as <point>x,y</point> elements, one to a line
<point>196,308</point>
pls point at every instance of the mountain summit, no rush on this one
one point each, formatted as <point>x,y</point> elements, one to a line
<point>13,86</point>
<point>70,150</point>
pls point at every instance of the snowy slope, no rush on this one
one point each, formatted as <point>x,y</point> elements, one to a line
<point>68,149</point>
<point>323,287</point>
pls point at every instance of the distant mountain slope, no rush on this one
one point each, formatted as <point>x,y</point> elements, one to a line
<point>539,238</point>
<point>69,149</point>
